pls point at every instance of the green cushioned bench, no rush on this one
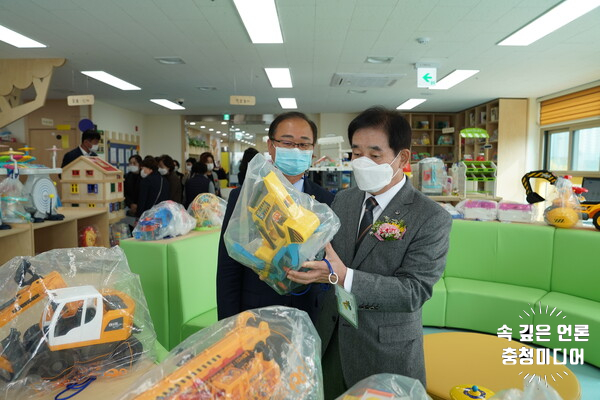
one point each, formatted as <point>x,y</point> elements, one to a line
<point>178,278</point>
<point>495,271</point>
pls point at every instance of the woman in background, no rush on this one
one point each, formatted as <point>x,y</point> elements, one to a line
<point>249,154</point>
<point>153,187</point>
<point>132,184</point>
<point>208,159</point>
<point>166,167</point>
<point>197,183</point>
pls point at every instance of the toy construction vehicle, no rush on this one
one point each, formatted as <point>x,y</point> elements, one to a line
<point>236,367</point>
<point>283,226</point>
<point>78,325</point>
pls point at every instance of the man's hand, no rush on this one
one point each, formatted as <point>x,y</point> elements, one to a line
<point>318,270</point>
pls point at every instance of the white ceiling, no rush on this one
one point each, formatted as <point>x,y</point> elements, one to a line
<point>321,37</point>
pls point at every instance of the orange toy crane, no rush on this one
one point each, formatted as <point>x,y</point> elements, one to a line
<point>232,368</point>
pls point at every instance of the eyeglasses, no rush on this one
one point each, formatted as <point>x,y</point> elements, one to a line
<point>290,145</point>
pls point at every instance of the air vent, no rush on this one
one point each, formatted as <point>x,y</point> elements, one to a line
<point>364,80</point>
<point>170,60</point>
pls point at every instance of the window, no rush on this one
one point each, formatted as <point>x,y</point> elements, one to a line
<point>573,148</point>
<point>75,172</point>
<point>112,187</point>
<point>89,172</point>
<point>74,188</point>
<point>93,188</point>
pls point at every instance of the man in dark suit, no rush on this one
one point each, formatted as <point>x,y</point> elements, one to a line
<point>238,287</point>
<point>390,277</point>
<point>89,144</point>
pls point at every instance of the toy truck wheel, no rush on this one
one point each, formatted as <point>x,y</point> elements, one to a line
<point>126,353</point>
<point>55,365</point>
<point>597,220</point>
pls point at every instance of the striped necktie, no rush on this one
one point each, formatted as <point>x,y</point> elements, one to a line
<point>367,221</point>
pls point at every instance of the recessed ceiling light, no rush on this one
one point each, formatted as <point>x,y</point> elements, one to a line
<point>279,77</point>
<point>454,78</point>
<point>378,60</point>
<point>287,102</point>
<point>218,132</point>
<point>111,80</point>
<point>167,104</point>
<point>210,129</point>
<point>410,104</point>
<point>224,134</point>
<point>16,39</point>
<point>170,60</point>
<point>192,123</point>
<point>202,126</point>
<point>206,88</point>
<point>267,129</point>
<point>224,123</point>
<point>260,20</point>
<point>552,20</point>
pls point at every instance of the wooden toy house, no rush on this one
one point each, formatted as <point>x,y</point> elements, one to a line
<point>92,182</point>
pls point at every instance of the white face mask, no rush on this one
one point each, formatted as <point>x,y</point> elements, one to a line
<point>143,174</point>
<point>210,166</point>
<point>370,176</point>
<point>95,147</point>
<point>163,171</point>
<point>133,168</point>
<point>188,168</point>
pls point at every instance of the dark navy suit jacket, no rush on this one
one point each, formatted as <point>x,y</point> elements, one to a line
<point>73,155</point>
<point>240,289</point>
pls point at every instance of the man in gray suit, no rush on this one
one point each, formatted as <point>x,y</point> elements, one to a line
<point>390,278</point>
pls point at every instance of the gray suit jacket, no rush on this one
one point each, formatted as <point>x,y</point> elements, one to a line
<point>392,280</point>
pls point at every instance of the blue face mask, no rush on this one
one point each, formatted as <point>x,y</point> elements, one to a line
<point>292,162</point>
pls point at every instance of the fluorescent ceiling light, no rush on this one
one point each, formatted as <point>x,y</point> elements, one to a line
<point>552,20</point>
<point>16,39</point>
<point>218,132</point>
<point>202,126</point>
<point>110,80</point>
<point>224,134</point>
<point>454,78</point>
<point>210,129</point>
<point>410,104</point>
<point>192,123</point>
<point>279,77</point>
<point>224,123</point>
<point>167,104</point>
<point>287,102</point>
<point>260,20</point>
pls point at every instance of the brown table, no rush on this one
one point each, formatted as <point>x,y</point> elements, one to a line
<point>465,358</point>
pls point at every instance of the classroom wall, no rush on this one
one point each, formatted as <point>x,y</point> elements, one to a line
<point>163,135</point>
<point>110,118</point>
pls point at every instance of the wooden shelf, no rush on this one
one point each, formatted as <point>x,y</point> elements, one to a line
<point>31,239</point>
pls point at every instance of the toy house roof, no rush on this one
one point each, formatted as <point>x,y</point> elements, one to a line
<point>92,163</point>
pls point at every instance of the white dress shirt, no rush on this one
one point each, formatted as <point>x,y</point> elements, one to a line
<point>383,200</point>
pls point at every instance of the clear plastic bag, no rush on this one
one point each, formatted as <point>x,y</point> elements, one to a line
<point>564,211</point>
<point>166,219</point>
<point>515,212</point>
<point>274,227</point>
<point>533,391</point>
<point>68,315</point>
<point>386,386</point>
<point>481,210</point>
<point>12,201</point>
<point>267,353</point>
<point>208,210</point>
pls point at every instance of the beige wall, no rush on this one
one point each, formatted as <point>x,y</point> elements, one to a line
<point>333,124</point>
<point>163,135</point>
<point>119,120</point>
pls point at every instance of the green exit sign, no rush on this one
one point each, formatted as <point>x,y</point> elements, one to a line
<point>226,117</point>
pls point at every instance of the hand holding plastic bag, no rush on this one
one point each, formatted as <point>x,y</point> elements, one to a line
<point>166,219</point>
<point>274,227</point>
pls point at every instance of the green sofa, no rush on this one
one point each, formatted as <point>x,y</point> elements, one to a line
<point>178,278</point>
<point>496,273</point>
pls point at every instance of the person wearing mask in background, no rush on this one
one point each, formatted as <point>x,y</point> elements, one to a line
<point>249,154</point>
<point>208,159</point>
<point>132,184</point>
<point>166,167</point>
<point>89,145</point>
<point>179,174</point>
<point>189,163</point>
<point>390,276</point>
<point>153,187</point>
<point>291,141</point>
<point>197,183</point>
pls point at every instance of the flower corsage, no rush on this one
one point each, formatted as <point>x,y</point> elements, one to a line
<point>388,229</point>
